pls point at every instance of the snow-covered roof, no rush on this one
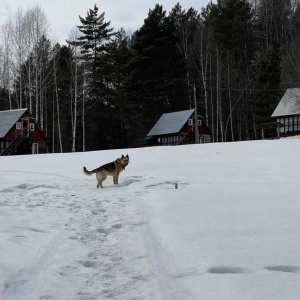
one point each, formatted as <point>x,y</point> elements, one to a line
<point>171,122</point>
<point>8,119</point>
<point>289,104</point>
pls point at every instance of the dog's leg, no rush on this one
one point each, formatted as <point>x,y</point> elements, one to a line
<point>114,179</point>
<point>101,179</point>
<point>117,179</point>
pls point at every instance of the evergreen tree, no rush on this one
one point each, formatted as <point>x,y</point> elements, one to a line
<point>230,21</point>
<point>157,81</point>
<point>64,85</point>
<point>120,55</point>
<point>267,69</point>
<point>4,99</point>
<point>95,50</point>
<point>96,35</point>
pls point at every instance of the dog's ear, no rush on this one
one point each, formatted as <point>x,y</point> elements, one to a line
<point>127,156</point>
<point>122,156</point>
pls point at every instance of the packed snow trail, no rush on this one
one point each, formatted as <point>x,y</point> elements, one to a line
<point>88,239</point>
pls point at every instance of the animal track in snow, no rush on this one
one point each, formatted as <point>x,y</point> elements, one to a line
<point>66,270</point>
<point>226,270</point>
<point>117,226</point>
<point>238,270</point>
<point>284,268</point>
<point>105,231</point>
<point>46,297</point>
<point>89,264</point>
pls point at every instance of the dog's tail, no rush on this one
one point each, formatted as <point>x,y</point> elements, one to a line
<point>86,172</point>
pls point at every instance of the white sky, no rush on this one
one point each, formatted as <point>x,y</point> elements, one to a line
<point>63,14</point>
<point>230,231</point>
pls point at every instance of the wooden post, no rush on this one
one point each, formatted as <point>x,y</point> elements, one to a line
<point>196,118</point>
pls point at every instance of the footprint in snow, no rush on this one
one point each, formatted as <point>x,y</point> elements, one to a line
<point>226,270</point>
<point>284,268</point>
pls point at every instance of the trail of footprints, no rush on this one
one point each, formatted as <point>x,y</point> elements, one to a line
<point>99,229</point>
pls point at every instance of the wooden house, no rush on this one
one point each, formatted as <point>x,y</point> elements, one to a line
<point>20,134</point>
<point>287,113</point>
<point>178,128</point>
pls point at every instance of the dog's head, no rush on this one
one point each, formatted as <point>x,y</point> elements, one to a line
<point>124,160</point>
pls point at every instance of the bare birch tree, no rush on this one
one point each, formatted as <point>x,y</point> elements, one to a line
<point>6,59</point>
<point>21,33</point>
<point>74,67</point>
<point>186,23</point>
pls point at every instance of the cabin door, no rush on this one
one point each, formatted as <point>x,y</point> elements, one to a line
<point>35,148</point>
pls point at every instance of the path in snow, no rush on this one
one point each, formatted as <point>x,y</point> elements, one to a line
<point>79,242</point>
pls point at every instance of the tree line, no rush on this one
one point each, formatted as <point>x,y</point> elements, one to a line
<point>106,88</point>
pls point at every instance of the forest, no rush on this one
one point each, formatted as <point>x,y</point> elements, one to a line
<point>105,88</point>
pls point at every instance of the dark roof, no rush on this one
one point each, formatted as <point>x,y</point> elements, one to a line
<point>8,119</point>
<point>289,104</point>
<point>170,122</point>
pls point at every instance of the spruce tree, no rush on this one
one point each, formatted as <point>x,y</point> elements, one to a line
<point>267,70</point>
<point>96,35</point>
<point>94,42</point>
<point>157,81</point>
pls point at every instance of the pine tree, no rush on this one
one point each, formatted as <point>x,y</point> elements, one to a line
<point>96,35</point>
<point>94,43</point>
<point>157,81</point>
<point>230,21</point>
<point>120,55</point>
<point>267,70</point>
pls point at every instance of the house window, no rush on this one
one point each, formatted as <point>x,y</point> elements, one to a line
<point>281,120</point>
<point>18,125</point>
<point>290,124</point>
<point>285,127</point>
<point>199,122</point>
<point>191,122</point>
<point>296,123</point>
<point>31,126</point>
<point>202,140</point>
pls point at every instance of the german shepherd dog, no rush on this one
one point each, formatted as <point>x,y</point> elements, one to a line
<point>113,168</point>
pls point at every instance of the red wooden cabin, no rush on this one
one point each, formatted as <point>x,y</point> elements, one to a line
<point>20,134</point>
<point>178,128</point>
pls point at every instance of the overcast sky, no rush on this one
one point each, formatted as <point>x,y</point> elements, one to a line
<point>63,15</point>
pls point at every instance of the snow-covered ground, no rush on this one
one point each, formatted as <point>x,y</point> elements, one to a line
<point>230,231</point>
